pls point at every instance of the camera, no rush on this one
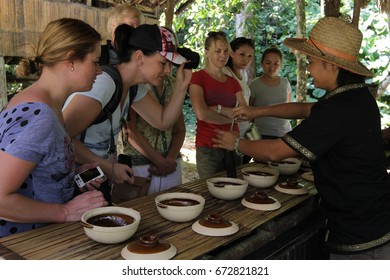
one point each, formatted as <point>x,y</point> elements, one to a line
<point>124,159</point>
<point>86,176</point>
<point>193,58</point>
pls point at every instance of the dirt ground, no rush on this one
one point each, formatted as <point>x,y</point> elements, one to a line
<point>189,172</point>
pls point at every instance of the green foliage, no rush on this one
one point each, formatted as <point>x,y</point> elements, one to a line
<point>189,117</point>
<point>13,87</point>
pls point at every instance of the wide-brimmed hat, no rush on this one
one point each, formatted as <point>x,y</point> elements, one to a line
<point>334,40</point>
<point>159,39</point>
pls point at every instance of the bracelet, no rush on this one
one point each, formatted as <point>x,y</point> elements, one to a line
<point>235,146</point>
<point>219,109</point>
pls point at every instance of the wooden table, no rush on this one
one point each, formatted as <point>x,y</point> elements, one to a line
<point>68,241</point>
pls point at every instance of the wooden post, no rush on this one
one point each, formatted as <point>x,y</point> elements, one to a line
<point>3,83</point>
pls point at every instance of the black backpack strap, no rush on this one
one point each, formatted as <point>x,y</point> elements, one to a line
<point>111,106</point>
<point>132,93</point>
<point>109,55</point>
<point>104,55</point>
<point>116,97</point>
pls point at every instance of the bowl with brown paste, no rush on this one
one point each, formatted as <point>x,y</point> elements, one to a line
<point>288,166</point>
<point>110,224</point>
<point>179,206</point>
<point>260,176</point>
<point>227,188</point>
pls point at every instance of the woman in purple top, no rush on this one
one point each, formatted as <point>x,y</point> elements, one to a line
<point>36,158</point>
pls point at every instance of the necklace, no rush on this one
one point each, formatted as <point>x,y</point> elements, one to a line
<point>342,89</point>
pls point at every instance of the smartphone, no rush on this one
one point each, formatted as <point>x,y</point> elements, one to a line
<point>193,58</point>
<point>86,176</point>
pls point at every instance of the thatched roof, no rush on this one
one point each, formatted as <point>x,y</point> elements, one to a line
<point>21,22</point>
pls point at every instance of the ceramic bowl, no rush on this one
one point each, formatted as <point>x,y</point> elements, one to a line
<point>288,166</point>
<point>227,188</point>
<point>309,176</point>
<point>214,225</point>
<point>149,247</point>
<point>179,206</point>
<point>260,177</point>
<point>110,224</point>
<point>261,201</point>
<point>291,186</point>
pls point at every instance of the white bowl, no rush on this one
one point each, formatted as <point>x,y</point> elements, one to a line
<point>149,248</point>
<point>260,177</point>
<point>228,188</point>
<point>214,225</point>
<point>261,201</point>
<point>182,213</point>
<point>110,234</point>
<point>288,166</point>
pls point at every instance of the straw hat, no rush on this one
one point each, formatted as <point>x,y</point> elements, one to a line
<point>334,40</point>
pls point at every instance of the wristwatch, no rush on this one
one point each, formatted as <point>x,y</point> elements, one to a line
<point>219,109</point>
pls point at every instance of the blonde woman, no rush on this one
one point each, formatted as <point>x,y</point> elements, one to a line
<point>213,96</point>
<point>124,14</point>
<point>121,14</point>
<point>36,156</point>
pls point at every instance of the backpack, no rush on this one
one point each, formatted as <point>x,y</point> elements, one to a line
<point>111,106</point>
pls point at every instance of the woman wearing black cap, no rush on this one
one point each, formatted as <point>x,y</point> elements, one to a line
<point>340,136</point>
<point>144,54</point>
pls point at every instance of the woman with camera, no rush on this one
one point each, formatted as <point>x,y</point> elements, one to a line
<point>144,55</point>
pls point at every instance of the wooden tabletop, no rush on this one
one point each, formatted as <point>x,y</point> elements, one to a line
<point>68,240</point>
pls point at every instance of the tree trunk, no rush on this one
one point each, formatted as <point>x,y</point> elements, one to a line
<point>356,12</point>
<point>382,87</point>
<point>332,8</point>
<point>169,11</point>
<point>301,64</point>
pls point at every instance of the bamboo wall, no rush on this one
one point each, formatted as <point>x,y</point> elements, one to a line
<point>21,21</point>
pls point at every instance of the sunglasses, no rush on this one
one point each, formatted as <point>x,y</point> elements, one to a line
<point>216,34</point>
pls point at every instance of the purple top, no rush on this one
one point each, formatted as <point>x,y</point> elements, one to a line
<point>32,132</point>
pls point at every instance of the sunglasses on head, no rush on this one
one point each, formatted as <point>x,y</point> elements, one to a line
<point>216,33</point>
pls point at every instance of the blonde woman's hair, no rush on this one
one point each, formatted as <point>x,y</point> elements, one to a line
<point>119,12</point>
<point>59,38</point>
<point>213,37</point>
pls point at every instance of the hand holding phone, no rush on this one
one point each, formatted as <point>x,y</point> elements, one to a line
<point>88,175</point>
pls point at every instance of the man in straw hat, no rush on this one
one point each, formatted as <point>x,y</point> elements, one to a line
<point>340,136</point>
